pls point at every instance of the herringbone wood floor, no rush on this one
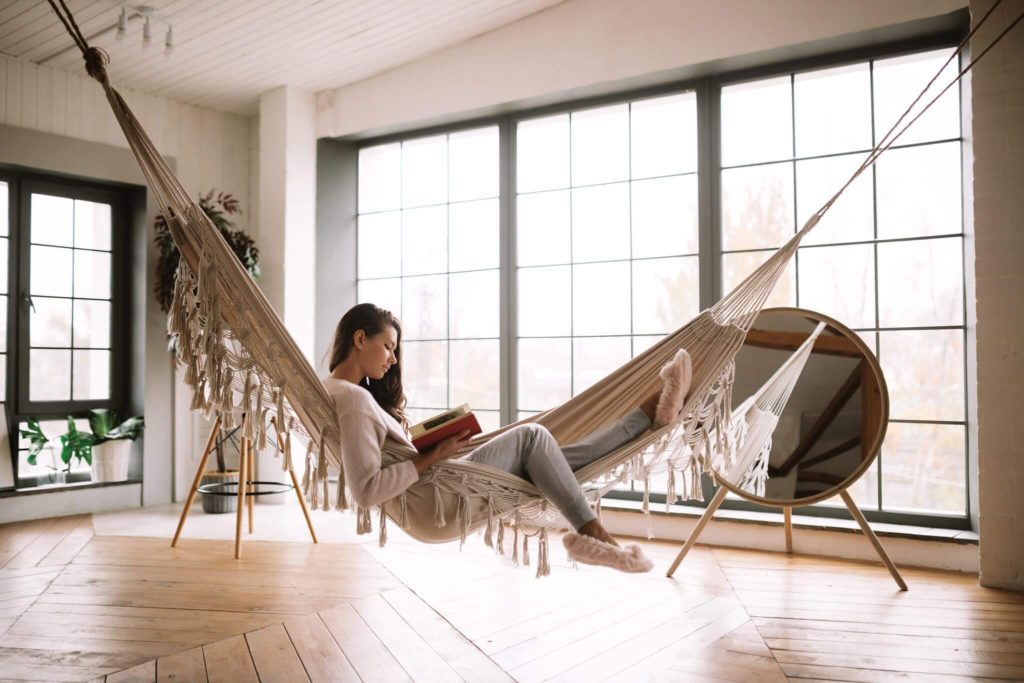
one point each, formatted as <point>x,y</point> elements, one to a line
<point>76,606</point>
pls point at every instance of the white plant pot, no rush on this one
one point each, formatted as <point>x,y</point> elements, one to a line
<point>110,460</point>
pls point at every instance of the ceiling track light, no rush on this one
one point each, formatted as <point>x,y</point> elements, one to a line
<point>150,16</point>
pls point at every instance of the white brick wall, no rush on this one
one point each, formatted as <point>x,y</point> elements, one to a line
<point>998,141</point>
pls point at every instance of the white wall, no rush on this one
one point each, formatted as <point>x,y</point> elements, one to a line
<point>580,43</point>
<point>211,149</point>
<point>998,131</point>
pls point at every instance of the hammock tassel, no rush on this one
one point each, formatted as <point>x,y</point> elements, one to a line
<point>383,526</point>
<point>464,519</point>
<point>439,520</point>
<point>526,550</point>
<point>278,424</point>
<point>340,499</point>
<point>500,548</point>
<point>646,508</point>
<point>670,488</point>
<point>515,542</point>
<point>363,523</point>
<point>489,532</point>
<point>324,477</point>
<point>543,562</point>
<point>261,421</point>
<point>191,375</point>
<point>403,514</point>
<point>198,397</point>
<point>307,475</point>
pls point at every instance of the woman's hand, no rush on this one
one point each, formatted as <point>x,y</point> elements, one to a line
<point>444,449</point>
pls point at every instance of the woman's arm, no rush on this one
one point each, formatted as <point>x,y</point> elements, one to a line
<point>368,481</point>
<point>444,449</point>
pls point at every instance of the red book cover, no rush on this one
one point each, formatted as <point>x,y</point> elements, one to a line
<point>465,422</point>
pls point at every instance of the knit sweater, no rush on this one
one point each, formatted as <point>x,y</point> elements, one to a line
<point>363,427</point>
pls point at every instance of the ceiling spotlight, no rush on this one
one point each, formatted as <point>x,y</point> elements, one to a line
<point>147,33</point>
<point>122,24</point>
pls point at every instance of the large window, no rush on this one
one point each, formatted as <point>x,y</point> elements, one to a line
<point>625,216</point>
<point>65,325</point>
<point>428,251</point>
<point>606,235</point>
<point>887,260</point>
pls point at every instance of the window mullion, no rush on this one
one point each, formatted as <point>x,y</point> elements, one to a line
<point>508,360</point>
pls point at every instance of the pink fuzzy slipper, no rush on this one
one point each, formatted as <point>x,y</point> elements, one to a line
<point>677,374</point>
<point>589,550</point>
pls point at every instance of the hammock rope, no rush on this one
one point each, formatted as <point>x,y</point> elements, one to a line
<point>263,379</point>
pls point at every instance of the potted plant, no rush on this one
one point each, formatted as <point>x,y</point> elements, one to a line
<point>110,443</point>
<point>38,443</point>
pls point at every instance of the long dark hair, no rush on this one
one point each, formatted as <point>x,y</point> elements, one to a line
<point>387,391</point>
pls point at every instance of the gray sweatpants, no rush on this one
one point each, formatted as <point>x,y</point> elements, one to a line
<point>530,452</point>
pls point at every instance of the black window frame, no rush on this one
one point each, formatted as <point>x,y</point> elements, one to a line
<point>22,183</point>
<point>708,91</point>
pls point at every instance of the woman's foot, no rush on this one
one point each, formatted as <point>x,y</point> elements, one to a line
<point>594,529</point>
<point>677,374</point>
<point>588,549</point>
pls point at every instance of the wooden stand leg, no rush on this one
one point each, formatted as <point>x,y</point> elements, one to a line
<point>250,499</point>
<point>703,522</point>
<point>787,514</point>
<point>859,516</point>
<point>195,482</point>
<point>243,477</point>
<point>298,489</point>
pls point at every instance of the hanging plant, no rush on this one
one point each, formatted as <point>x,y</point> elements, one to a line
<point>219,207</point>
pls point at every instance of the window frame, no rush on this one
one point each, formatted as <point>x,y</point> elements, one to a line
<point>708,93</point>
<point>21,184</point>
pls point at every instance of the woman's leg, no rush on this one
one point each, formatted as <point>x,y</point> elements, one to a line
<point>529,451</point>
<point>605,440</point>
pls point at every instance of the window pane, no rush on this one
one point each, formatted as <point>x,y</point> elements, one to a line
<point>473,164</point>
<point>664,216</point>
<point>542,153</point>
<point>92,375</point>
<point>736,267</point>
<point>50,322</point>
<point>92,324</point>
<point>839,282</point>
<point>425,374</point>
<point>3,324</point>
<point>865,490</point>
<point>600,222</point>
<point>923,468</point>
<point>5,210</point>
<point>600,145</point>
<point>666,293</point>
<point>473,235</point>
<point>475,373</point>
<point>473,304</point>
<point>545,373</point>
<point>545,307</point>
<point>425,241</point>
<point>380,178</point>
<point>425,307</point>
<point>921,282</point>
<point>757,122</point>
<point>52,220</point>
<point>380,244</point>
<point>51,375</point>
<point>3,375</point>
<point>897,82</point>
<point>925,374</point>
<point>833,110</point>
<point>757,206</point>
<point>92,274</point>
<point>919,191</point>
<point>386,294</point>
<point>593,358</point>
<point>3,264</point>
<point>642,343</point>
<point>851,218</point>
<point>600,299</point>
<point>51,271</point>
<point>92,225</point>
<point>542,228</point>
<point>663,136</point>
<point>424,171</point>
<point>490,420</point>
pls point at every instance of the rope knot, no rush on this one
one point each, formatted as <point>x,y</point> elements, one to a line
<point>96,60</point>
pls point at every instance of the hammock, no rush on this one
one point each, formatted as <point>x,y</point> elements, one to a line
<point>241,361</point>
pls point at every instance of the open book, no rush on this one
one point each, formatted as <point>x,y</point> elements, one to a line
<point>430,431</point>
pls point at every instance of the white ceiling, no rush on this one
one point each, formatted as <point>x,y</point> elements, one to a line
<point>227,52</point>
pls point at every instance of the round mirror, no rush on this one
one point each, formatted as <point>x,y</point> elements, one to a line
<point>822,400</point>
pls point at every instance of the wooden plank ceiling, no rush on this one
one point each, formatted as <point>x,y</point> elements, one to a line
<point>226,52</point>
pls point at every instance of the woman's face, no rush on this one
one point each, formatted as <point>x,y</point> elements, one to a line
<point>377,354</point>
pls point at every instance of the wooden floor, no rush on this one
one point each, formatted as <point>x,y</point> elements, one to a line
<point>77,606</point>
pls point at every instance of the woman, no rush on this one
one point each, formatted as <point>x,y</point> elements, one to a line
<point>366,385</point>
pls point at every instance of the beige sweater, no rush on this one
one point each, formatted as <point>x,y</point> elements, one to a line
<point>363,426</point>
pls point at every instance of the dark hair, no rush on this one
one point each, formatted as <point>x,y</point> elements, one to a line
<point>387,391</point>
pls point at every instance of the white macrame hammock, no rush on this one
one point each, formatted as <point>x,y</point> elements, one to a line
<point>241,361</point>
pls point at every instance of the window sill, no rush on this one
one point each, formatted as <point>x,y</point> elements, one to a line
<point>57,488</point>
<point>775,519</point>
